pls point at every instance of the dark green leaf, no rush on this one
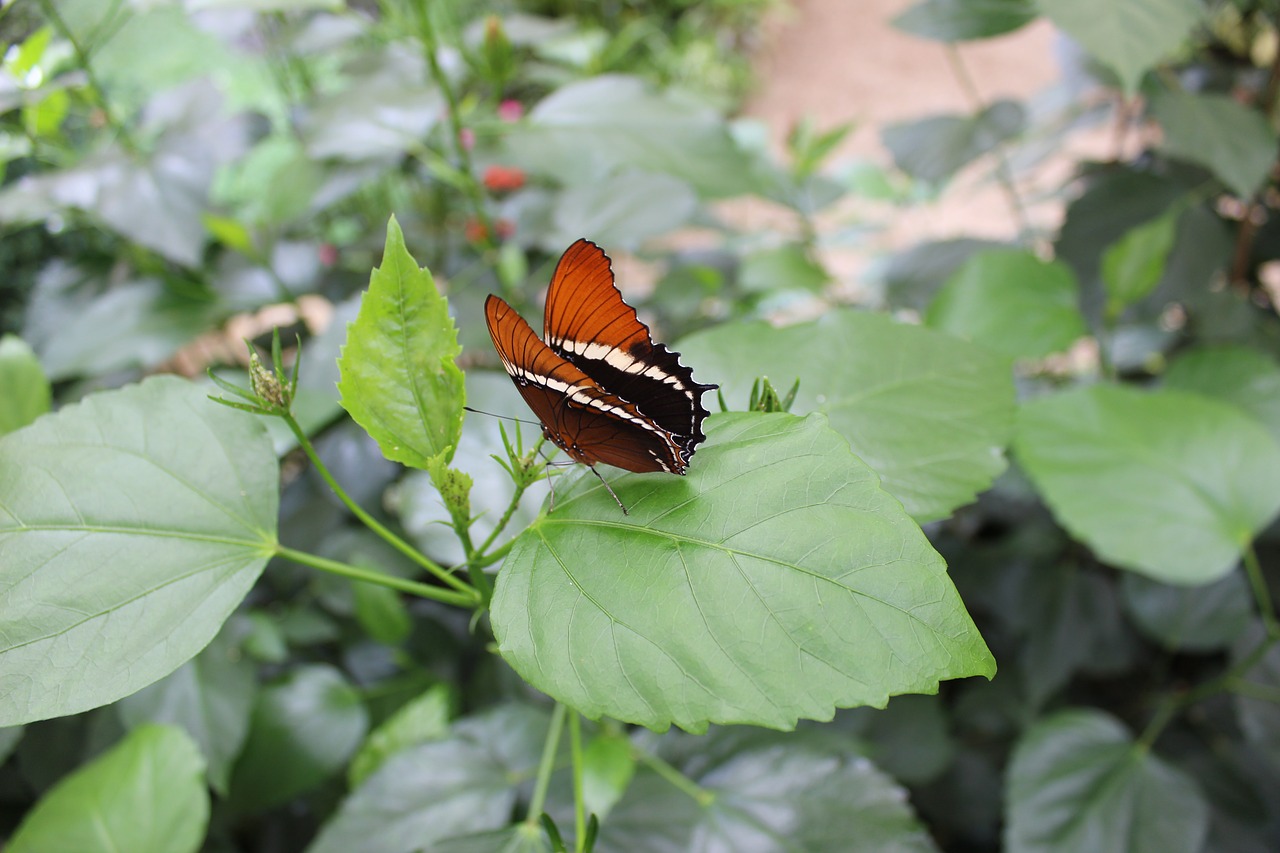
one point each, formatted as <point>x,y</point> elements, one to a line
<point>785,268</point>
<point>463,784</point>
<point>1012,302</point>
<point>24,391</point>
<point>210,697</point>
<point>303,731</point>
<point>933,149</point>
<point>1127,36</point>
<point>587,130</point>
<point>913,277</point>
<point>399,380</point>
<point>382,613</point>
<point>423,719</point>
<point>908,739</point>
<point>1165,483</point>
<point>146,795</point>
<point>621,210</point>
<point>929,413</point>
<point>769,794</point>
<point>1133,265</point>
<point>777,527</point>
<point>1079,784</point>
<point>133,524</point>
<point>1200,618</point>
<point>1243,377</point>
<point>962,20</point>
<point>520,838</point>
<point>1255,700</point>
<point>1230,139</point>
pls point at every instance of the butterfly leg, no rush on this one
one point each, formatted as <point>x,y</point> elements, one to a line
<point>610,488</point>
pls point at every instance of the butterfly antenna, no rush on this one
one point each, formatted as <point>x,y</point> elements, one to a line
<point>610,488</point>
<point>501,417</point>
<point>551,505</point>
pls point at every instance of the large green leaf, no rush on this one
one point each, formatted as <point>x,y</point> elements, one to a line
<point>131,525</point>
<point>463,784</point>
<point>1166,483</point>
<point>1012,302</point>
<point>1079,784</point>
<point>776,581</point>
<point>962,20</point>
<point>1201,618</point>
<point>210,697</point>
<point>1218,132</point>
<point>770,793</point>
<point>935,148</point>
<point>399,380</point>
<point>24,391</point>
<point>303,731</point>
<point>930,413</point>
<point>621,210</point>
<point>587,130</point>
<point>146,795</point>
<point>1127,36</point>
<point>1243,377</point>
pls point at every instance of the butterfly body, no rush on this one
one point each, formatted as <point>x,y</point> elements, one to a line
<point>603,390</point>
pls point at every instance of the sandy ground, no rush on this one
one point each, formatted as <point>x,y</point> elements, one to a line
<point>841,60</point>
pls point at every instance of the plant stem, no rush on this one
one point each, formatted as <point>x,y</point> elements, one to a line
<point>372,523</point>
<point>546,765</point>
<point>1261,593</point>
<point>1004,174</point>
<point>95,84</point>
<point>345,570</point>
<point>579,806</point>
<point>474,191</point>
<point>701,795</point>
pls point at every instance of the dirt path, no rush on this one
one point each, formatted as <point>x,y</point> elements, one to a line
<point>841,60</point>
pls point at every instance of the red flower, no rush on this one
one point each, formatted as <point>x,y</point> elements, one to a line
<point>476,233</point>
<point>510,110</point>
<point>328,254</point>
<point>500,179</point>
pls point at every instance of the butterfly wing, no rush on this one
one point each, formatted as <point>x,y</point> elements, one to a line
<point>580,417</point>
<point>587,323</point>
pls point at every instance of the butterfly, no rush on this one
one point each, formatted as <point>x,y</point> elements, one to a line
<point>603,390</point>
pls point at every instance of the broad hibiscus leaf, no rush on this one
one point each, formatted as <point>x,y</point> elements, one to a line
<point>1218,132</point>
<point>962,20</point>
<point>1127,36</point>
<point>131,525</point>
<point>936,147</point>
<point>1166,483</point>
<point>769,792</point>
<point>1079,784</point>
<point>1012,302</point>
<point>776,581</point>
<point>460,785</point>
<point>399,380</point>
<point>930,413</point>
<point>146,795</point>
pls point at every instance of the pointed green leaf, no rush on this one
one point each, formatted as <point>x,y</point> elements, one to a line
<point>131,525</point>
<point>1079,784</point>
<point>963,20</point>
<point>423,719</point>
<point>24,391</point>
<point>776,581</point>
<point>1012,302</point>
<point>769,792</point>
<point>1127,36</point>
<point>303,731</point>
<point>1243,377</point>
<point>1132,266</point>
<point>607,767</point>
<point>382,613</point>
<point>146,795</point>
<point>930,413</point>
<point>210,697</point>
<point>465,783</point>
<point>1234,141</point>
<point>399,380</point>
<point>1165,483</point>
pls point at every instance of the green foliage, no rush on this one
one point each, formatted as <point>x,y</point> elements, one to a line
<point>379,686</point>
<point>864,580</point>
<point>147,794</point>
